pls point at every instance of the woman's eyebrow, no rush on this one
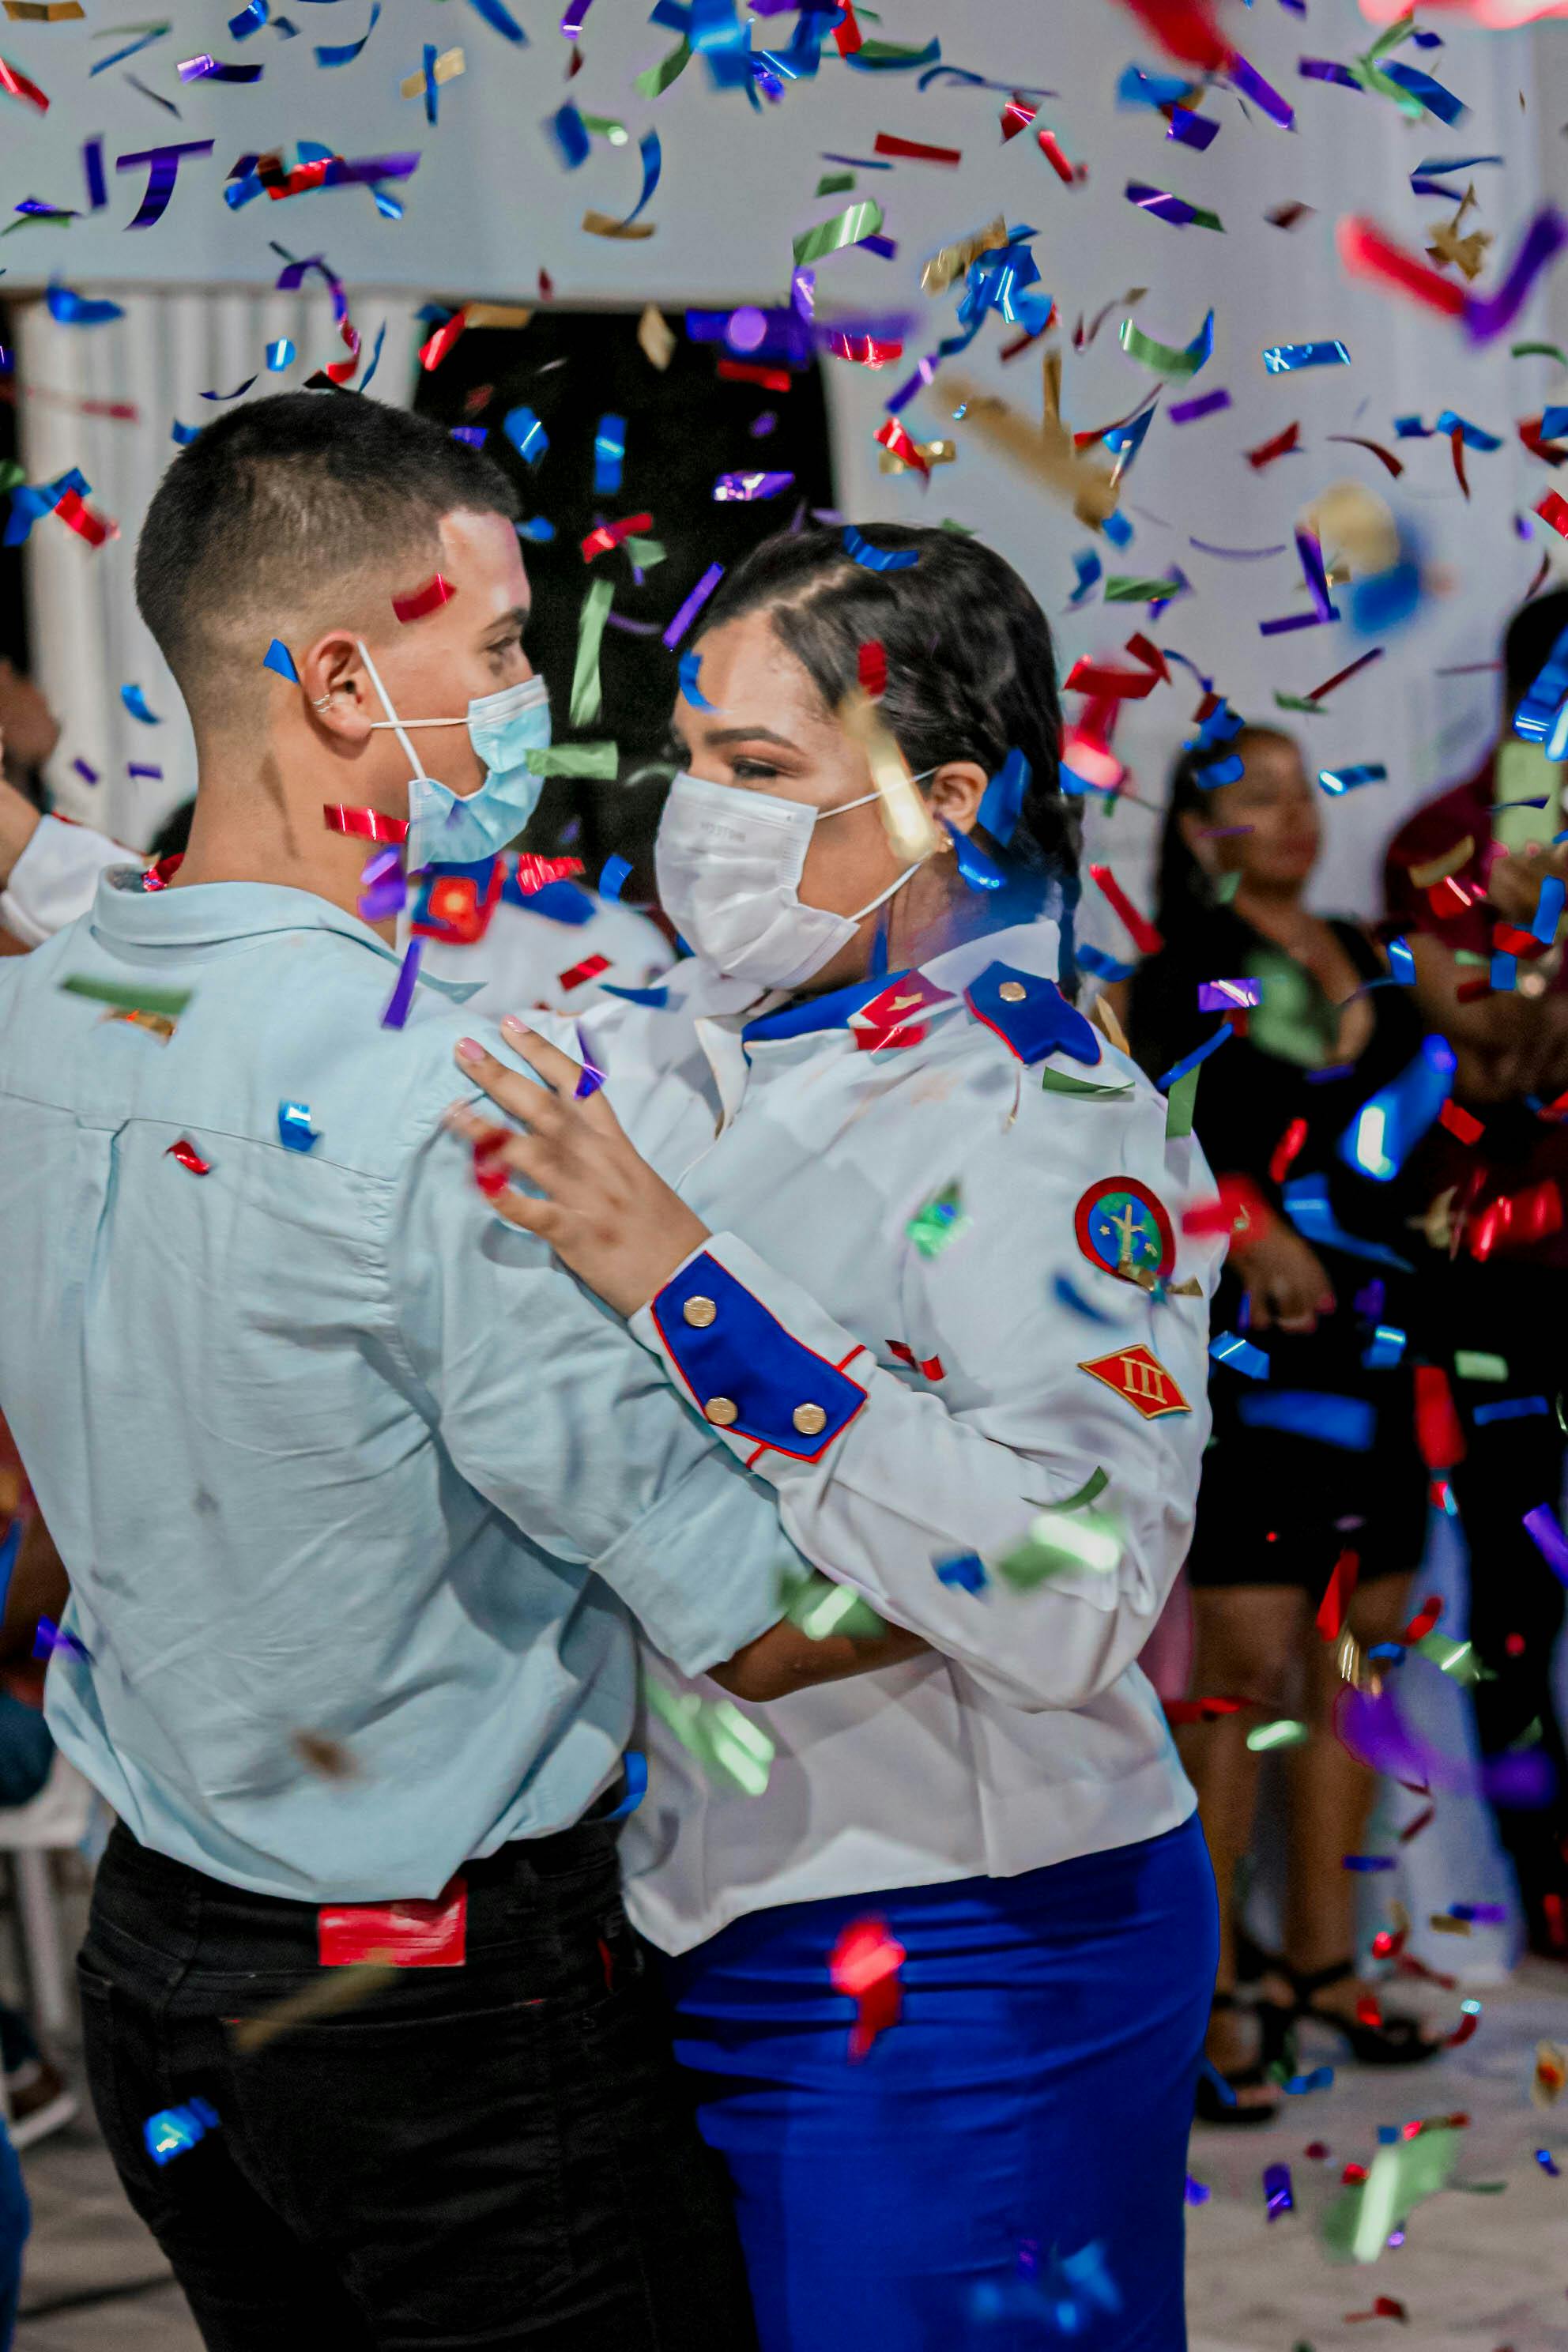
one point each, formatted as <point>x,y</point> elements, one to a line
<point>720,735</point>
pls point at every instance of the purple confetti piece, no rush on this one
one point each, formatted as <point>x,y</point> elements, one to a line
<point>693,605</point>
<point>1486,315</point>
<point>571,23</point>
<point>1208,404</point>
<point>138,768</point>
<point>1311,554</point>
<point>402,996</point>
<point>747,488</point>
<point>1161,204</point>
<point>1227,995</point>
<point>1192,130</point>
<point>162,170</point>
<point>632,628</point>
<point>92,165</point>
<point>1326,69</point>
<point>1236,554</point>
<point>49,1637</point>
<point>206,68</point>
<point>383,887</point>
<point>1251,84</point>
<point>1277,2190</point>
<point>88,775</point>
<point>590,1077</point>
<point>1540,1525</point>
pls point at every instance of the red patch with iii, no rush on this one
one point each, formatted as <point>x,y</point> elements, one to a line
<point>412,1935</point>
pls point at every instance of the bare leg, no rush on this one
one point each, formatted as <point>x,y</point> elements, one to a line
<point>1330,1798</point>
<point>1247,1637</point>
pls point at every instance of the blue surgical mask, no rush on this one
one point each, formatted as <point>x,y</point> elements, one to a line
<point>444,827</point>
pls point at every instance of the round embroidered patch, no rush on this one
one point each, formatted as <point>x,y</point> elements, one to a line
<point>1123,1226</point>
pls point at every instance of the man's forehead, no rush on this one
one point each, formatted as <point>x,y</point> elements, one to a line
<point>479,553</point>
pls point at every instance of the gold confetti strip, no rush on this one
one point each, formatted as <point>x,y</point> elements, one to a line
<point>338,1989</point>
<point>605,224</point>
<point>1102,1012</point>
<point>157,1023</point>
<point>495,314</point>
<point>1045,450</point>
<point>1427,878</point>
<point>1550,2073</point>
<point>656,337</point>
<point>911,829</point>
<point>448,67</point>
<point>329,1757</point>
<point>946,268</point>
<point>43,12</point>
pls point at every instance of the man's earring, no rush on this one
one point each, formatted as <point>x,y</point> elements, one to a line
<point>325,698</point>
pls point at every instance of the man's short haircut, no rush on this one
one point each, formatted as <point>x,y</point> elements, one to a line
<point>286,514</point>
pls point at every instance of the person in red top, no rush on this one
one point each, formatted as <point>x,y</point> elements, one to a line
<point>1463,880</point>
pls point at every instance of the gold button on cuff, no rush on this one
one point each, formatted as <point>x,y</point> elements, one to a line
<point>1012,991</point>
<point>700,1311</point>
<point>810,1419</point>
<point>723,1410</point>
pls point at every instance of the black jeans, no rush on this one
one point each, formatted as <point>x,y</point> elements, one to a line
<point>492,2155</point>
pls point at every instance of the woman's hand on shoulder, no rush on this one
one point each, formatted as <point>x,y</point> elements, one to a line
<point>607,1216</point>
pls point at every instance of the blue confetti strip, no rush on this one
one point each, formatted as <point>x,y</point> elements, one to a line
<point>609,455</point>
<point>1402,962</point>
<point>964,1571</point>
<point>279,355</point>
<point>295,1132</point>
<point>173,2130</point>
<point>1510,1409</point>
<point>1335,781</point>
<point>402,997</point>
<point>1348,1422</point>
<point>1104,966</point>
<point>690,665</point>
<point>345,52</point>
<point>10,1547</point>
<point>570,133</point>
<point>526,434</point>
<point>135,701</point>
<point>68,308</point>
<point>614,878</point>
<point>1284,359</point>
<point>279,657</point>
<point>1199,1054</point>
<point>1390,1123</point>
<point>1384,1349</point>
<point>876,559</point>
<point>500,21</point>
<point>1240,1354</point>
<point>1002,800</point>
<point>634,1765</point>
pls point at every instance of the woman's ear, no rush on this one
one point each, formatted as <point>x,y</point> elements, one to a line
<point>956,792</point>
<point>338,688</point>
<point>1195,833</point>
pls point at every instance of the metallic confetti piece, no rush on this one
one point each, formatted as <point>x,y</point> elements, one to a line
<point>1359,2224</point>
<point>279,657</point>
<point>295,1132</point>
<point>911,832</point>
<point>147,33</point>
<point>343,53</point>
<point>1228,995</point>
<point>1335,781</point>
<point>208,68</point>
<point>614,875</point>
<point>731,1750</point>
<point>598,759</point>
<point>609,455</point>
<point>610,535</point>
<point>745,488</point>
<point>1144,936</point>
<point>173,2130</point>
<point>1284,359</point>
<point>847,227</point>
<point>420,602</point>
<point>364,823</point>
<point>335,1989</point>
<point>913,150</point>
<point>1173,209</point>
<point>587,699</point>
<point>1283,1733</point>
<point>964,1571</point>
<point>402,997</point>
<point>941,1220</point>
<point>1208,404</point>
<point>68,308</point>
<point>822,1609</point>
<point>526,434</point>
<point>1240,1355</point>
<point>656,339</point>
<point>1541,1526</point>
<point>1176,361</point>
<point>692,605</point>
<point>1058,1544</point>
<point>185,1152</point>
<point>864,1964</point>
<point>50,1637</point>
<point>690,666</point>
<point>382,887</point>
<point>1277,2178</point>
<point>170,1002</point>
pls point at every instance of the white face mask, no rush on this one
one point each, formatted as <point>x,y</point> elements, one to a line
<point>448,828</point>
<point>727,862</point>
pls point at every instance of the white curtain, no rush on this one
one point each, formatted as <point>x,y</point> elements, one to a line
<point>87,641</point>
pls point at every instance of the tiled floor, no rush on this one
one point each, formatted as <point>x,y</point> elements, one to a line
<point>1477,2272</point>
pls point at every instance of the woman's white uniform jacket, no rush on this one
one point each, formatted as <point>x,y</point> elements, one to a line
<point>947,1289</point>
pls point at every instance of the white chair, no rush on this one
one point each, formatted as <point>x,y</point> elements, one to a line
<point>56,1820</point>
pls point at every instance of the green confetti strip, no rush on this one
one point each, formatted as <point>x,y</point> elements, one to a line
<point>939,1221</point>
<point>658,79</point>
<point>1123,591</point>
<point>731,1749</point>
<point>1095,1483</point>
<point>1282,1733</point>
<point>1061,1082</point>
<point>846,227</point>
<point>1474,1364</point>
<point>608,127</point>
<point>1226,889</point>
<point>1178,361</point>
<point>644,553</point>
<point>170,1002</point>
<point>1457,1660</point>
<point>835,183</point>
<point>1542,351</point>
<point>1057,1545</point>
<point>1180,1103</point>
<point>599,759</point>
<point>1358,2225</point>
<point>587,699</point>
<point>1302,702</point>
<point>820,1608</point>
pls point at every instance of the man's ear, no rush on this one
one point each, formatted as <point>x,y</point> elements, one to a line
<point>957,790</point>
<point>338,688</point>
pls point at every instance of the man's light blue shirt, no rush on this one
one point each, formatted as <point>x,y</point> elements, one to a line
<point>329,1453</point>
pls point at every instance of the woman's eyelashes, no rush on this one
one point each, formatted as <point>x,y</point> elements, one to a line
<point>747,769</point>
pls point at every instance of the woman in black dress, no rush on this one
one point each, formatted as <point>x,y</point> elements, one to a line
<point>1280,1504</point>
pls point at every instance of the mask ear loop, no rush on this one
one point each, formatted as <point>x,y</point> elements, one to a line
<point>392,718</point>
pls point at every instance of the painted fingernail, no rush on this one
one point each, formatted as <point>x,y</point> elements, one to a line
<point>513,1026</point>
<point>469,1049</point>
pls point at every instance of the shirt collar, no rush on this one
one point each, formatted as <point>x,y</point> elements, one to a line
<point>1033,947</point>
<point>830,1011</point>
<point>209,914</point>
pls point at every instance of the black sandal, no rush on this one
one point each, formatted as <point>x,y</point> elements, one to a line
<point>1215,2100</point>
<point>1394,2040</point>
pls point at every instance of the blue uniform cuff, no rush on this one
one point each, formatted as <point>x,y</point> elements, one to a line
<point>747,1375</point>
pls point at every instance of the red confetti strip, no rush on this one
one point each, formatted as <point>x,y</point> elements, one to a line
<point>1282,446</point>
<point>364,823</point>
<point>16,85</point>
<point>893,436</point>
<point>1462,2032</point>
<point>1367,253</point>
<point>1425,1617</point>
<point>1457,443</point>
<point>1062,165</point>
<point>1553,508</point>
<point>533,872</point>
<point>489,1178</point>
<point>1340,677</point>
<point>915,151</point>
<point>1438,1428</point>
<point>1550,453</point>
<point>1336,1597</point>
<point>1185,29</point>
<point>1284,1151</point>
<point>846,33</point>
<point>159,876</point>
<point>1086,676</point>
<point>185,1152</point>
<point>85,521</point>
<point>433,351</point>
<point>1355,440</point>
<point>1385,2308</point>
<point>865,1964</point>
<point>610,534</point>
<point>1414,1828</point>
<point>435,593</point>
<point>589,969</point>
<point>749,371</point>
<point>1203,1710</point>
<point>1460,1122</point>
<point>1016,116</point>
<point>872,662</point>
<point>1144,936</point>
<point>1238,1207</point>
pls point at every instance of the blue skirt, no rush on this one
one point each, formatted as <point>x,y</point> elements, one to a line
<point>1008,2161</point>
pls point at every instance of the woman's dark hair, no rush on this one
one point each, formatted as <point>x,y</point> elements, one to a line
<point>972,671</point>
<point>1184,898</point>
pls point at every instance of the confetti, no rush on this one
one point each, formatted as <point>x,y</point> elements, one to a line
<point>1144,936</point>
<point>731,1750</point>
<point>587,700</point>
<point>1284,1733</point>
<point>1207,404</point>
<point>609,535</point>
<point>185,1152</point>
<point>1240,1355</point>
<point>1541,1526</point>
<point>402,998</point>
<point>746,489</point>
<point>656,340</point>
<point>135,701</point>
<point>863,1963</point>
<point>848,227</point>
<point>279,657</point>
<point>364,823</point>
<point>1335,781</point>
<point>1284,359</point>
<point>421,602</point>
<point>169,1002</point>
<point>295,1132</point>
<point>939,1221</point>
<point>335,1989</point>
<point>173,2130</point>
<point>692,605</point>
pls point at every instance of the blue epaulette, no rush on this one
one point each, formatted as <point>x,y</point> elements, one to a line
<point>1030,1016</point>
